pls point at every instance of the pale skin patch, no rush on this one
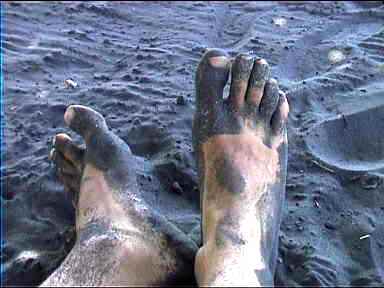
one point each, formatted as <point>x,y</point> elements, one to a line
<point>254,161</point>
<point>97,201</point>
<point>132,259</point>
<point>69,115</point>
<point>228,214</point>
<point>147,261</point>
<point>112,259</point>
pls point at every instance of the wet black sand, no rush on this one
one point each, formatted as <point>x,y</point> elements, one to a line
<point>135,63</point>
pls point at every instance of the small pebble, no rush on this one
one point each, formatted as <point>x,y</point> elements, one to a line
<point>330,226</point>
<point>335,56</point>
<point>180,100</point>
<point>176,188</point>
<point>279,21</point>
<point>69,83</point>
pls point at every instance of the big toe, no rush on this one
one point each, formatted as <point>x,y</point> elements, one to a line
<point>85,121</point>
<point>211,78</point>
<point>104,149</point>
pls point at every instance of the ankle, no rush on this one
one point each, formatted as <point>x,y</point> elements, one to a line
<point>229,266</point>
<point>102,207</point>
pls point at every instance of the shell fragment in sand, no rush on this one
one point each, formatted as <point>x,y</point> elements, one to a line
<point>365,236</point>
<point>279,21</point>
<point>335,56</point>
<point>69,83</point>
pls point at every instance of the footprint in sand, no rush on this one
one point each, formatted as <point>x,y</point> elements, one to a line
<point>351,142</point>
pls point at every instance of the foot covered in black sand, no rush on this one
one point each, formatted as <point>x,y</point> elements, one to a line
<point>120,239</point>
<point>241,148</point>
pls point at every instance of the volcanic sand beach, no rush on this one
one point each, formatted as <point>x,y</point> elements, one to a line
<point>135,63</point>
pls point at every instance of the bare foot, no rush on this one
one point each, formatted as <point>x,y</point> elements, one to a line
<point>241,149</point>
<point>121,240</point>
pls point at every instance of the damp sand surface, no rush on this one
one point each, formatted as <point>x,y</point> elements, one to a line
<point>135,63</point>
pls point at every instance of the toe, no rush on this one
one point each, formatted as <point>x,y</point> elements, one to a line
<point>259,76</point>
<point>66,173</point>
<point>269,100</point>
<point>104,150</point>
<point>71,152</point>
<point>241,71</point>
<point>211,77</point>
<point>279,118</point>
<point>62,165</point>
<point>105,153</point>
<point>71,185</point>
<point>84,120</point>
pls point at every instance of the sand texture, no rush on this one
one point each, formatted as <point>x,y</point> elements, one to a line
<point>135,63</point>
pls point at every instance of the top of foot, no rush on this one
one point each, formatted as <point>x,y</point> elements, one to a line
<point>111,210</point>
<point>241,149</point>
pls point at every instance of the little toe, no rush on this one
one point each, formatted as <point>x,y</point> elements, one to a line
<point>259,76</point>
<point>241,72</point>
<point>280,116</point>
<point>85,121</point>
<point>211,78</point>
<point>71,152</point>
<point>269,100</point>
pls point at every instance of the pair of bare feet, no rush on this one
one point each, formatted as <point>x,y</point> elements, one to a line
<point>241,149</point>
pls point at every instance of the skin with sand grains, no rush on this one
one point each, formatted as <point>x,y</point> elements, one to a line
<point>115,226</point>
<point>241,143</point>
<point>245,171</point>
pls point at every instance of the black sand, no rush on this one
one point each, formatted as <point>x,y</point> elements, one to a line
<point>135,63</point>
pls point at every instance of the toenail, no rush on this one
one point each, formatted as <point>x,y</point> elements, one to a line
<point>219,61</point>
<point>261,61</point>
<point>69,115</point>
